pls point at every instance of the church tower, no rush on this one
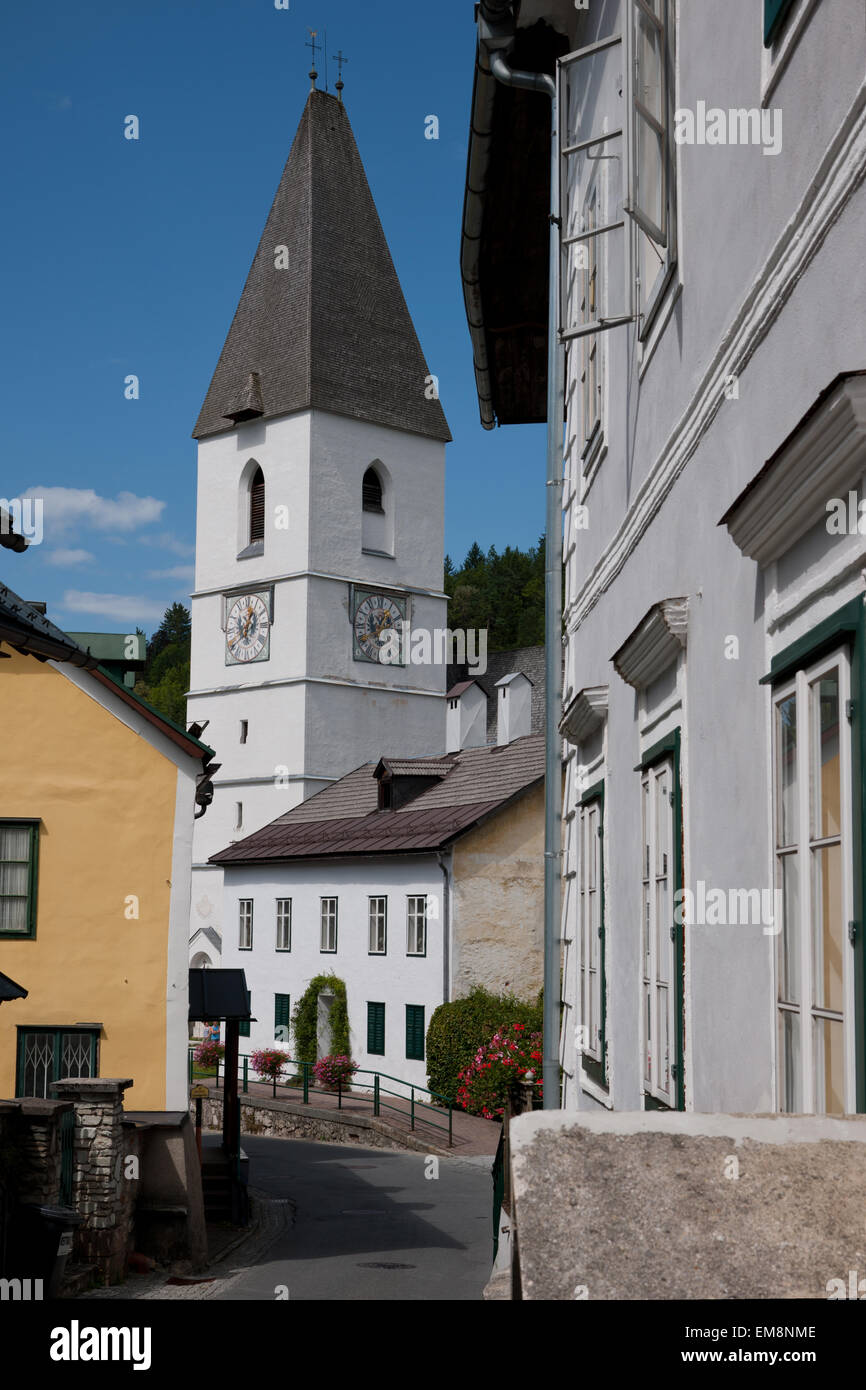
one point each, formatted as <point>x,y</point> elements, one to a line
<point>320,513</point>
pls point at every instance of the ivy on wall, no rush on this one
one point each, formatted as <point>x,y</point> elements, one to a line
<point>305,1017</point>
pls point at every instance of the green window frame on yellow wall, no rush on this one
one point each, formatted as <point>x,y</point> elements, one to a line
<point>50,1053</point>
<point>19,870</point>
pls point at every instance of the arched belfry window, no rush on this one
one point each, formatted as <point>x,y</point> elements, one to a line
<point>257,507</point>
<point>371,492</point>
<point>377,511</point>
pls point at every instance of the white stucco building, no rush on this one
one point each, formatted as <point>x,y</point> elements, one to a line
<point>320,512</point>
<point>712,312</point>
<point>410,879</point>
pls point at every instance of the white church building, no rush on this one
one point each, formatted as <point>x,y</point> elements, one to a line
<point>320,514</point>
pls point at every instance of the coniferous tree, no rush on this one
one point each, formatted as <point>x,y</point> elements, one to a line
<point>165,678</point>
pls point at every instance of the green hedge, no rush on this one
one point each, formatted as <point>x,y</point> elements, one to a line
<point>458,1029</point>
<point>305,1018</point>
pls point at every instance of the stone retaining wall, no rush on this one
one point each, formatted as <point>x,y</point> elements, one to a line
<point>280,1119</point>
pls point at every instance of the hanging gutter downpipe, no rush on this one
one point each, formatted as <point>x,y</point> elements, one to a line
<point>443,858</point>
<point>541,82</point>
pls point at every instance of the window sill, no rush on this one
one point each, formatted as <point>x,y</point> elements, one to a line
<point>592,1088</point>
<point>380,554</point>
<point>653,1103</point>
<point>775,59</point>
<point>251,551</point>
<point>660,319</point>
<point>592,460</point>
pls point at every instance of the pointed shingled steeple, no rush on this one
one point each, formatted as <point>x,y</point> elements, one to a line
<point>322,322</point>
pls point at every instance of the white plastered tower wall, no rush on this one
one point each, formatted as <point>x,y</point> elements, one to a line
<point>312,712</point>
<point>321,378</point>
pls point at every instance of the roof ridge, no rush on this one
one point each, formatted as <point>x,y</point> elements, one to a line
<point>329,328</point>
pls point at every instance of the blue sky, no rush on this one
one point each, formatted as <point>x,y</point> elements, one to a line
<point>122,257</point>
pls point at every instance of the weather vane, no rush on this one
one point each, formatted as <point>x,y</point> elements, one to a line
<point>315,47</point>
<point>340,83</point>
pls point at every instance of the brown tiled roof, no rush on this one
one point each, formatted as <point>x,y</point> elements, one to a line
<point>418,767</point>
<point>457,690</point>
<point>343,819</point>
<point>330,329</point>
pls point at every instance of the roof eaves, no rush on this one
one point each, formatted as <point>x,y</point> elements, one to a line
<point>178,735</point>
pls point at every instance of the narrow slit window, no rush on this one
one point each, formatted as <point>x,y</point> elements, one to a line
<point>257,507</point>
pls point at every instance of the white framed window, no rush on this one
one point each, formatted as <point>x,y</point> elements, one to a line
<point>239,815</point>
<point>243,731</point>
<point>658,933</point>
<point>590,907</point>
<point>329,925</point>
<point>813,834</point>
<point>652,195</point>
<point>284,924</point>
<point>416,925</point>
<point>377,909</point>
<point>589,310</point>
<point>245,924</point>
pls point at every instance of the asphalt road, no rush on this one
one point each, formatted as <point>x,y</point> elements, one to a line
<point>369,1225</point>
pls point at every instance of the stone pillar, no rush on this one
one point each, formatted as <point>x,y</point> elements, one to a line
<point>37,1137</point>
<point>102,1194</point>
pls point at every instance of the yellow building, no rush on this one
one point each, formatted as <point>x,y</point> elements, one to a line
<point>97,803</point>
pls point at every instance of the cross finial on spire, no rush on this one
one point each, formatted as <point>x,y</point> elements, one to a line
<point>315,47</point>
<point>340,83</point>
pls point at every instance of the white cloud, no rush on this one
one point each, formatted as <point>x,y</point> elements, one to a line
<point>68,507</point>
<point>68,557</point>
<point>125,608</point>
<point>176,572</point>
<point>167,541</point>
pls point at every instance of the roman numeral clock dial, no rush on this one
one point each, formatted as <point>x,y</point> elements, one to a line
<point>374,617</point>
<point>248,629</point>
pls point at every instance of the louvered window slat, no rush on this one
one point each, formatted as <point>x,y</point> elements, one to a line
<point>257,507</point>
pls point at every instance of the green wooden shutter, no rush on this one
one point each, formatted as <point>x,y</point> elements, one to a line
<point>281,1016</point>
<point>415,1032</point>
<point>774,15</point>
<point>376,1029</point>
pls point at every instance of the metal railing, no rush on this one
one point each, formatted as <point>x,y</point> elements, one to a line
<point>304,1081</point>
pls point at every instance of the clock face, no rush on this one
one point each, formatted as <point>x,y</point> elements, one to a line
<point>375,618</point>
<point>248,629</point>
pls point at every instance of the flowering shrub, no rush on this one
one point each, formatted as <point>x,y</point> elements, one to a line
<point>208,1054</point>
<point>331,1071</point>
<point>510,1055</point>
<point>268,1063</point>
<point>457,1030</point>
